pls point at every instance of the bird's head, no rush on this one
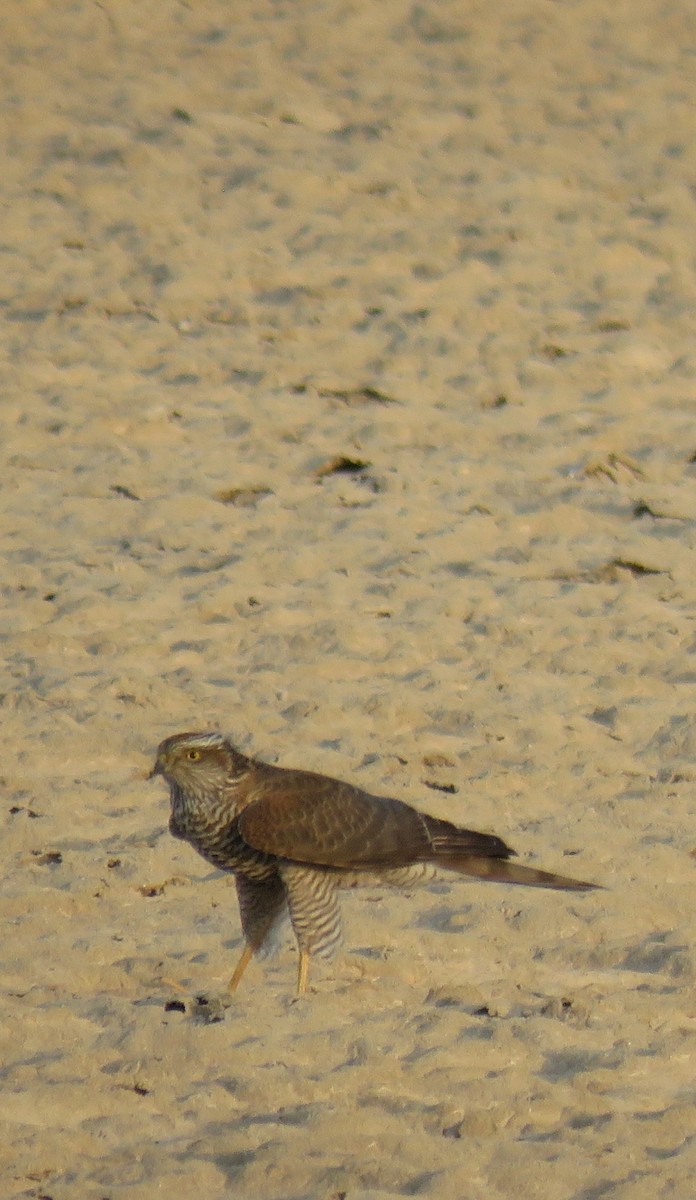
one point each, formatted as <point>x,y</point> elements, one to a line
<point>196,762</point>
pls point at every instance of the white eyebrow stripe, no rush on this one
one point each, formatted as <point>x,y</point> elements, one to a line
<point>204,740</point>
<point>208,739</point>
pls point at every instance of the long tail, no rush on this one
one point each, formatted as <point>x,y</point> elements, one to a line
<point>486,856</point>
<point>500,870</point>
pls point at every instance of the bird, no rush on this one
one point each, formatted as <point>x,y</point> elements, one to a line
<point>292,838</point>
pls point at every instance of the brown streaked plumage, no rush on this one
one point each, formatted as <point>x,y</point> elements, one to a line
<point>292,838</point>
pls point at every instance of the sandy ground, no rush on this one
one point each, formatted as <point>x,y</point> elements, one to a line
<point>452,243</point>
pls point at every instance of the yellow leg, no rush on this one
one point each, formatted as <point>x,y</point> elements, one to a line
<point>245,958</point>
<point>303,973</point>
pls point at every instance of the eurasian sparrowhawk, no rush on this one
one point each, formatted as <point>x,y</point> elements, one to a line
<point>292,838</point>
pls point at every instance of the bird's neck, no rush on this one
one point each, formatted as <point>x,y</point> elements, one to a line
<point>239,765</point>
<point>196,811</point>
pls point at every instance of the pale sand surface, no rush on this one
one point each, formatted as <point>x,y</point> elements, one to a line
<point>454,241</point>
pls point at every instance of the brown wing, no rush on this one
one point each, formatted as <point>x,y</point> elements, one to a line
<point>313,819</point>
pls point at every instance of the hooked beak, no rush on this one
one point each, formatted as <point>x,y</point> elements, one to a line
<point>156,770</point>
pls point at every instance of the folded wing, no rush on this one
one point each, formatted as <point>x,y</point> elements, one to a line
<point>309,818</point>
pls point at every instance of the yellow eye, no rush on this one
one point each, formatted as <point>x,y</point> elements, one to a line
<point>193,755</point>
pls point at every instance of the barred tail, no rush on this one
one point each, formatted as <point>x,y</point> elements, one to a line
<point>499,870</point>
